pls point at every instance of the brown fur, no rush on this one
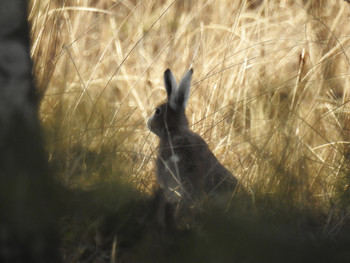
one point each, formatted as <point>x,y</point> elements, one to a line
<point>185,165</point>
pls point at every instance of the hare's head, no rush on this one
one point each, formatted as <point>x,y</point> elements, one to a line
<point>170,116</point>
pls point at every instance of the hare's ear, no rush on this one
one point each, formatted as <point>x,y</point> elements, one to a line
<point>170,86</point>
<point>183,91</point>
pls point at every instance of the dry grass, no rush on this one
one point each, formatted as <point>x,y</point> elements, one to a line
<point>270,91</point>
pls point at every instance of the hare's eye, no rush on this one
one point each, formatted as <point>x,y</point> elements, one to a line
<point>157,112</point>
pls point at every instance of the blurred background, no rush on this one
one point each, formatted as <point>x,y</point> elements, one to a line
<point>270,91</point>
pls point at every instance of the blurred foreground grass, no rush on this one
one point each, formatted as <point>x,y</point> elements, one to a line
<point>270,95</point>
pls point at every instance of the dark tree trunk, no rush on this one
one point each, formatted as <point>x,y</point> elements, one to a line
<point>27,231</point>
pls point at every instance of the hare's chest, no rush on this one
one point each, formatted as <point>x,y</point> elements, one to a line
<point>174,159</point>
<point>170,160</point>
<point>169,170</point>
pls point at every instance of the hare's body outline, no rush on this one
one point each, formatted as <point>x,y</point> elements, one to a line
<point>186,167</point>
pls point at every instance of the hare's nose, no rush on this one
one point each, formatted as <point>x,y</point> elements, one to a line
<point>149,122</point>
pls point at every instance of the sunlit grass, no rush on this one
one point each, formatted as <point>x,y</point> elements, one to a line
<point>270,90</point>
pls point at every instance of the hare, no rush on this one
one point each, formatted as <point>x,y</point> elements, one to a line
<point>186,168</point>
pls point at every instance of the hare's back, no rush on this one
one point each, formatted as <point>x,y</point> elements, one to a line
<point>201,166</point>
